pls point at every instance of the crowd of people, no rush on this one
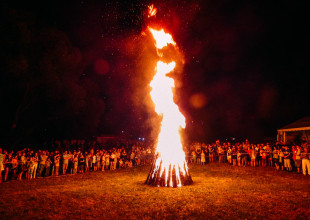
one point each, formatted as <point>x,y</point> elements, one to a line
<point>78,157</point>
<point>293,158</point>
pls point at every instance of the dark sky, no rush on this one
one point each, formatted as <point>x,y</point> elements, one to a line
<point>245,71</point>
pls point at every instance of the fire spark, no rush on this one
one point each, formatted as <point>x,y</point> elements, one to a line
<point>169,167</point>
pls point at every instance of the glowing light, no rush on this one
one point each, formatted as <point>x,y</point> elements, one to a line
<point>152,11</point>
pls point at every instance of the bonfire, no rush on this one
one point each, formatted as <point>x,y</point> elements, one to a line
<point>169,168</point>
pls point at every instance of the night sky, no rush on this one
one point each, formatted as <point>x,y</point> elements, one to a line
<point>76,69</point>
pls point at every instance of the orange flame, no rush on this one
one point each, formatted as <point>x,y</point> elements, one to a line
<point>152,11</point>
<point>169,146</point>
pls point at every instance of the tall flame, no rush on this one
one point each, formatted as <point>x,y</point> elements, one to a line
<point>171,157</point>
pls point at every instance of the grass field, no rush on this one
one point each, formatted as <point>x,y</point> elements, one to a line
<point>219,191</point>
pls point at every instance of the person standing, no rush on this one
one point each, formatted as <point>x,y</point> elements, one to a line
<point>275,153</point>
<point>35,166</point>
<point>56,163</point>
<point>65,163</point>
<point>43,158</point>
<point>298,158</point>
<point>305,161</point>
<point>203,157</point>
<point>2,159</point>
<point>287,158</point>
<point>8,165</point>
<point>81,163</point>
<point>75,163</point>
<point>47,166</point>
<point>22,165</point>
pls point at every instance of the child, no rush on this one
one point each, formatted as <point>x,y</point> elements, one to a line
<point>203,157</point>
<point>193,157</point>
<point>121,163</point>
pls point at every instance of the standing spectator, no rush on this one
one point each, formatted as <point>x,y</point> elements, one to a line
<point>211,153</point>
<point>294,151</point>
<point>43,158</point>
<point>287,159</point>
<point>8,165</point>
<point>264,158</point>
<point>275,157</point>
<point>234,156</point>
<point>2,158</point>
<point>94,162</point>
<point>70,165</point>
<point>239,154</point>
<point>30,167</point>
<point>65,162</point>
<point>14,166</point>
<point>47,166</point>
<point>118,155</point>
<point>132,157</point>
<point>35,167</point>
<point>305,161</point>
<point>81,163</point>
<point>86,162</point>
<point>107,160</point>
<point>281,159</point>
<point>268,150</point>
<point>56,163</point>
<point>298,158</point>
<point>193,156</point>
<point>229,155</point>
<point>221,154</point>
<point>260,157</point>
<point>138,158</point>
<point>22,165</point>
<point>121,163</point>
<point>112,162</point>
<point>75,163</point>
<point>203,157</point>
<point>102,161</point>
<point>198,152</point>
<point>98,157</point>
<point>253,156</point>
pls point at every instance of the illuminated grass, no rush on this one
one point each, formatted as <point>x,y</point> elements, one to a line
<point>219,191</point>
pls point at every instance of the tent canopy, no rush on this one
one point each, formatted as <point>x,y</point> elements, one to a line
<point>299,125</point>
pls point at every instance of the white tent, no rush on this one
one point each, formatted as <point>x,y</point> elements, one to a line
<point>300,127</point>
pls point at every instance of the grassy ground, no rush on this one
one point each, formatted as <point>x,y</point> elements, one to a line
<point>219,191</point>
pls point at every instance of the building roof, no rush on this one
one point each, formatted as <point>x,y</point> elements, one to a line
<point>299,125</point>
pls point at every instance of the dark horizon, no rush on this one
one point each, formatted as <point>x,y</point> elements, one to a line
<point>79,69</point>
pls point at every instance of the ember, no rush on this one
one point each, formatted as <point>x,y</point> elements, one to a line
<point>169,167</point>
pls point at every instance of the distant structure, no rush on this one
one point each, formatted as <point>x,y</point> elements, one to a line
<point>297,131</point>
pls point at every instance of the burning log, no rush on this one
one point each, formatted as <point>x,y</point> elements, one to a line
<point>174,176</point>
